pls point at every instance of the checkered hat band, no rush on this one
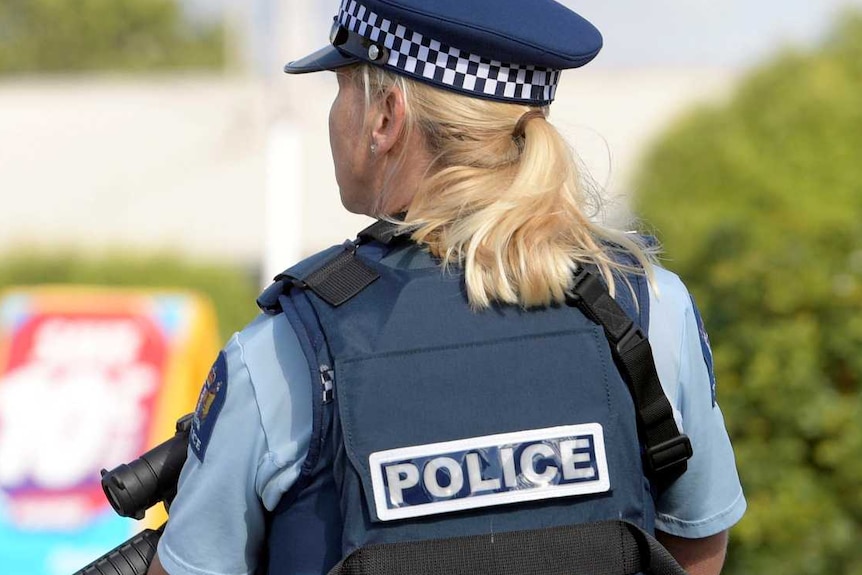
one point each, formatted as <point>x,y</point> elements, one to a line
<point>415,55</point>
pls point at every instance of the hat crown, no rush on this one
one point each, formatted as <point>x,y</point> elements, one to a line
<point>407,52</point>
<point>540,33</point>
<point>506,50</point>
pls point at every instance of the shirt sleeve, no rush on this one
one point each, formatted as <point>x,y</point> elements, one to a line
<point>708,498</point>
<point>258,439</point>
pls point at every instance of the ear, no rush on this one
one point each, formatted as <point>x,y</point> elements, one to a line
<point>387,124</point>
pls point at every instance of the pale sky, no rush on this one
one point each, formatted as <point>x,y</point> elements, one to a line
<point>723,33</point>
<point>731,33</point>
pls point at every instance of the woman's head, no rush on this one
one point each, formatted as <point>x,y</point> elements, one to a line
<point>488,185</point>
<point>383,125</point>
<point>425,128</point>
<point>373,145</point>
<point>354,152</point>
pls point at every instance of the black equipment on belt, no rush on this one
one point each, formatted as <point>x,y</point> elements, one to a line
<point>133,488</point>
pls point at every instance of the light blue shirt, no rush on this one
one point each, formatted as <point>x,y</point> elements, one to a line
<point>261,437</point>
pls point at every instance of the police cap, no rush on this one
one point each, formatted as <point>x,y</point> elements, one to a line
<point>505,50</point>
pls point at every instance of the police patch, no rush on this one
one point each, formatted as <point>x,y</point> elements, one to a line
<point>210,402</point>
<point>490,470</point>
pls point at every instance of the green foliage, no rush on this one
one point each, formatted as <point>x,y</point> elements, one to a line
<point>231,290</point>
<point>78,35</point>
<point>759,206</point>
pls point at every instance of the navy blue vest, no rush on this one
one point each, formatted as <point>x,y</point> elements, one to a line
<point>432,420</point>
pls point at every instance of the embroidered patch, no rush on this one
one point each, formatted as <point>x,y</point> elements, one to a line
<point>706,348</point>
<point>490,470</point>
<point>210,402</point>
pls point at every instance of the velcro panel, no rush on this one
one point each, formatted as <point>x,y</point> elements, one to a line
<point>341,278</point>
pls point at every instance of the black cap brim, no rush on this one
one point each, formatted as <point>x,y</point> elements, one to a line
<point>327,58</point>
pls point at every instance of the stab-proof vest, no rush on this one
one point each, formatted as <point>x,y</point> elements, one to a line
<point>433,420</point>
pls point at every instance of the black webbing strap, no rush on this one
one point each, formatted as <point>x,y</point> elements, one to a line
<point>339,279</point>
<point>381,231</point>
<point>602,548</point>
<point>666,449</point>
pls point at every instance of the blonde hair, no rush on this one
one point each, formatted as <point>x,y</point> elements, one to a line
<point>507,210</point>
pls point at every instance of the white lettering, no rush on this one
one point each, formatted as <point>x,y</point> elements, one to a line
<point>528,464</point>
<point>60,425</point>
<point>107,341</point>
<point>456,477</point>
<point>571,452</point>
<point>474,475</point>
<point>195,439</point>
<point>401,477</point>
<point>507,460</point>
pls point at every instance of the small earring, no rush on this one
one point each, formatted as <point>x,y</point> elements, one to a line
<point>373,149</point>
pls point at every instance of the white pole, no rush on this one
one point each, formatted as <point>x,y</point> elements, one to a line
<point>284,191</point>
<point>284,28</point>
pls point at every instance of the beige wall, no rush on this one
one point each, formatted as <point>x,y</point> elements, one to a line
<point>179,164</point>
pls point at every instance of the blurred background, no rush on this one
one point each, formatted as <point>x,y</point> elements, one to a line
<point>156,145</point>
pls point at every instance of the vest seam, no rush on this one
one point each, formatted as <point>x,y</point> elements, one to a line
<point>470,345</point>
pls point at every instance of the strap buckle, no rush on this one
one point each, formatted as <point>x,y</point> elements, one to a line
<point>669,454</point>
<point>632,338</point>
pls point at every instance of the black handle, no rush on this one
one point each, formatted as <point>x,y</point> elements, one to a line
<point>130,558</point>
<point>134,487</point>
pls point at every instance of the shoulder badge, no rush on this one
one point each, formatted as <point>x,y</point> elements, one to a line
<point>706,348</point>
<point>210,402</point>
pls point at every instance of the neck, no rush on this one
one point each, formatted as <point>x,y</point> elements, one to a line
<point>401,185</point>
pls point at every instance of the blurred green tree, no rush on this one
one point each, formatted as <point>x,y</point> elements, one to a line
<point>85,35</point>
<point>759,206</point>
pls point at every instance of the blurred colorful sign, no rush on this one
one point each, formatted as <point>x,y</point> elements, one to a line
<point>89,379</point>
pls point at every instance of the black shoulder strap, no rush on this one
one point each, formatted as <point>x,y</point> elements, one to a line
<point>602,548</point>
<point>381,231</point>
<point>666,449</point>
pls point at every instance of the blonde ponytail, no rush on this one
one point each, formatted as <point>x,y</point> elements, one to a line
<point>508,209</point>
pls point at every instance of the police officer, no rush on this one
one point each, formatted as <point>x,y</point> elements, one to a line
<point>430,379</point>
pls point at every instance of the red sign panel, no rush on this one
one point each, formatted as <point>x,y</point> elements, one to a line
<point>78,394</point>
